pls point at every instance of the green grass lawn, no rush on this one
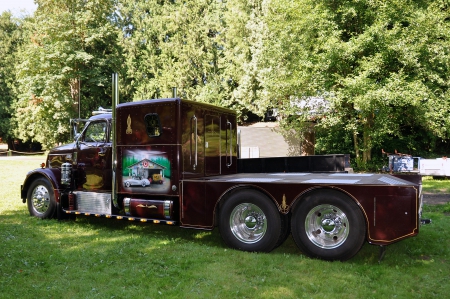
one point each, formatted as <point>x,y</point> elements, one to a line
<point>436,185</point>
<point>101,258</point>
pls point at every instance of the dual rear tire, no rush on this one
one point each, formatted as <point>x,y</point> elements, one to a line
<point>327,224</point>
<point>249,221</point>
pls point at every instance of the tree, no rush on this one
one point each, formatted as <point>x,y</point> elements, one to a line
<point>382,67</point>
<point>245,33</point>
<point>174,44</point>
<point>72,44</point>
<point>210,50</point>
<point>10,40</point>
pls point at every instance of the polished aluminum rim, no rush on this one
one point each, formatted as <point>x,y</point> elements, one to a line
<point>40,199</point>
<point>248,223</point>
<point>327,226</point>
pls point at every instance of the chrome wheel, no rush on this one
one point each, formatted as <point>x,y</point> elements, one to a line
<point>327,226</point>
<point>40,199</point>
<point>248,223</point>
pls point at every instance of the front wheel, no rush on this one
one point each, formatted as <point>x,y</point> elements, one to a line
<point>41,199</point>
<point>328,225</point>
<point>249,221</point>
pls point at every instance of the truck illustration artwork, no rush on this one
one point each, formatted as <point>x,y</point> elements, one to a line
<point>175,162</point>
<point>144,172</point>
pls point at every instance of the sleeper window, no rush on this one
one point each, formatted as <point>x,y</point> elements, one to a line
<point>152,125</point>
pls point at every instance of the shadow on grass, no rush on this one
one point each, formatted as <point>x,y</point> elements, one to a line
<point>100,234</point>
<point>89,232</point>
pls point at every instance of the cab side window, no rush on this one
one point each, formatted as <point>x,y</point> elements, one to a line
<point>96,132</point>
<point>152,125</point>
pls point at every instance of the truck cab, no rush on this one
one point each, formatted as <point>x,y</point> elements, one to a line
<point>158,144</point>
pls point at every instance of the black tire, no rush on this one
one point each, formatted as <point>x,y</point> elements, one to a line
<point>249,221</point>
<point>328,225</point>
<point>41,199</point>
<point>285,229</point>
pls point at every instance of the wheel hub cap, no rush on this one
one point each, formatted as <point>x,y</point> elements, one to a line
<point>327,226</point>
<point>41,199</point>
<point>248,223</point>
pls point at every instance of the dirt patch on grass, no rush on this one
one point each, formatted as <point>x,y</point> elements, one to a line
<point>436,198</point>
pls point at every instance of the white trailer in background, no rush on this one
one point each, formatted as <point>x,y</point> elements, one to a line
<point>434,167</point>
<point>439,167</point>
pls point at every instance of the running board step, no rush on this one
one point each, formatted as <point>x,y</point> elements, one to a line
<point>121,217</point>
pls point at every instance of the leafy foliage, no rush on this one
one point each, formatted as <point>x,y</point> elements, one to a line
<point>173,44</point>
<point>245,33</point>
<point>10,40</point>
<point>72,45</point>
<point>382,70</point>
<point>383,74</point>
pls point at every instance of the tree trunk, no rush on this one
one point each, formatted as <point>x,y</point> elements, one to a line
<point>356,145</point>
<point>367,152</point>
<point>75,94</point>
<point>367,139</point>
<point>308,141</point>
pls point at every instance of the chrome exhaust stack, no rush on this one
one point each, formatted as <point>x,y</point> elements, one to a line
<point>115,102</point>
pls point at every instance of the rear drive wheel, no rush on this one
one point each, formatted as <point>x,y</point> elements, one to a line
<point>249,221</point>
<point>328,225</point>
<point>41,199</point>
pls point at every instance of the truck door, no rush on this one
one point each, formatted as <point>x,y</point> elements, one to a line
<point>193,143</point>
<point>228,145</point>
<point>212,145</point>
<point>94,157</point>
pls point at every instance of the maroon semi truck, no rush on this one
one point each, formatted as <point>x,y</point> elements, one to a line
<point>175,162</point>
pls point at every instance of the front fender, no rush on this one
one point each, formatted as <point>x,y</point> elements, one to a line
<point>53,175</point>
